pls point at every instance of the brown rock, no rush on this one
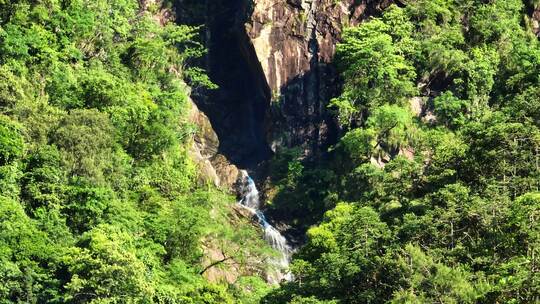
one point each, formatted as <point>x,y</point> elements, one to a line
<point>220,268</point>
<point>278,50</point>
<point>213,167</point>
<point>226,172</point>
<point>206,141</point>
<point>535,20</point>
<point>295,43</point>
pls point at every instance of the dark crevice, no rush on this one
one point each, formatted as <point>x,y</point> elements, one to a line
<point>237,110</point>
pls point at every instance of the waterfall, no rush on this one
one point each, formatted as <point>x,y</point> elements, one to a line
<point>250,201</point>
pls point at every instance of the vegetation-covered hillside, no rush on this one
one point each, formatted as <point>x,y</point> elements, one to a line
<point>431,194</point>
<point>433,190</point>
<point>99,201</point>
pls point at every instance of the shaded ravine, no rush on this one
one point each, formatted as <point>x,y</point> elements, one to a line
<point>238,109</point>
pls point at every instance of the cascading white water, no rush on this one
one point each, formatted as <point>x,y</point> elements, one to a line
<point>250,201</point>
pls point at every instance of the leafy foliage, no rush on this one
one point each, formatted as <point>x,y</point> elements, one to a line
<point>100,201</point>
<point>437,171</point>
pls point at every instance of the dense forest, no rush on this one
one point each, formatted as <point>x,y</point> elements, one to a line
<point>433,206</point>
<point>430,195</point>
<point>100,201</point>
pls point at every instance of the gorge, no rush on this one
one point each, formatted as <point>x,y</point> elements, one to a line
<point>272,62</point>
<point>269,151</point>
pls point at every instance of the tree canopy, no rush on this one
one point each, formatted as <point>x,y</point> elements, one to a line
<point>100,201</point>
<point>431,192</point>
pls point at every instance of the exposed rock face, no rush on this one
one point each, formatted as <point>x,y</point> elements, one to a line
<point>289,35</point>
<point>160,13</point>
<point>295,43</point>
<point>237,109</point>
<point>213,167</point>
<point>536,21</point>
<point>272,61</point>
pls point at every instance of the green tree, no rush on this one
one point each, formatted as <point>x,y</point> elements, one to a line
<point>430,281</point>
<point>11,141</point>
<point>375,71</point>
<point>389,129</point>
<point>105,268</point>
<point>23,251</point>
<point>85,141</point>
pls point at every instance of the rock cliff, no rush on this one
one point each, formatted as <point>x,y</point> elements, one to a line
<point>295,43</point>
<point>213,167</point>
<point>237,109</point>
<point>535,20</point>
<point>272,61</point>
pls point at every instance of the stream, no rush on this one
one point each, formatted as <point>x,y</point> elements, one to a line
<point>250,201</point>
